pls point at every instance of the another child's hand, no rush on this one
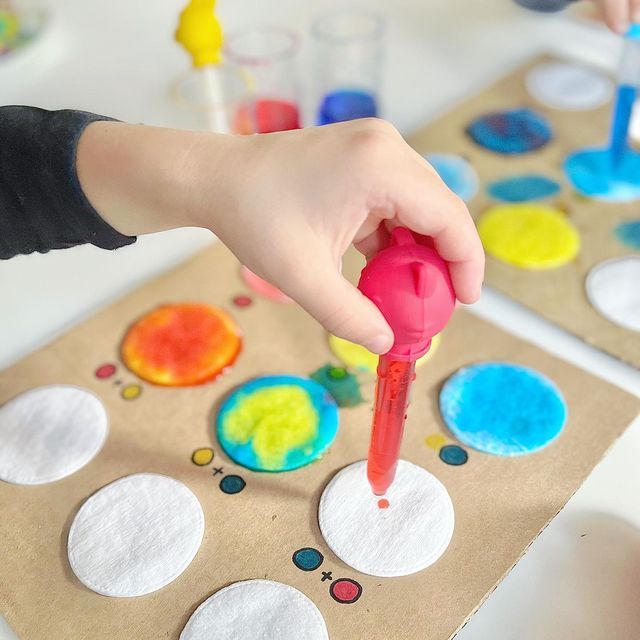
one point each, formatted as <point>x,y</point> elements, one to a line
<point>288,205</point>
<point>619,14</point>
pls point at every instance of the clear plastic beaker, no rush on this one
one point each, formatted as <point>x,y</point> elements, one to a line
<point>349,47</point>
<point>265,59</point>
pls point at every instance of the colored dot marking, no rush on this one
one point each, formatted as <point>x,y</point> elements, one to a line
<point>105,371</point>
<point>326,575</point>
<point>232,484</point>
<point>131,391</point>
<point>345,590</point>
<point>628,233</point>
<point>242,301</point>
<point>307,558</point>
<point>529,236</point>
<point>202,457</point>
<point>337,373</point>
<point>454,455</point>
<point>435,441</point>
<point>383,503</point>
<point>216,471</point>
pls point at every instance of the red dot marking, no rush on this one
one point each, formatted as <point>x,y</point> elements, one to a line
<point>383,503</point>
<point>105,371</point>
<point>345,590</point>
<point>242,301</point>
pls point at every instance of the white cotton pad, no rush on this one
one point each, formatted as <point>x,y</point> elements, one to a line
<point>410,533</point>
<point>613,288</point>
<point>567,86</point>
<point>50,432</point>
<point>135,535</point>
<point>259,610</point>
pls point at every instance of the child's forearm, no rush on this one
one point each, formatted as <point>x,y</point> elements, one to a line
<point>145,179</point>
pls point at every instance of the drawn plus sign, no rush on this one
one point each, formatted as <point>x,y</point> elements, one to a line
<point>326,575</point>
<point>217,470</point>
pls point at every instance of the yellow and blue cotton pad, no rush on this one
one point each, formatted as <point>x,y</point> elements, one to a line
<point>277,423</point>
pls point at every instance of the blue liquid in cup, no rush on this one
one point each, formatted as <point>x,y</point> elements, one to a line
<point>346,104</point>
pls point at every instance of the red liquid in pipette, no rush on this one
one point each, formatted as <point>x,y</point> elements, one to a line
<point>389,414</point>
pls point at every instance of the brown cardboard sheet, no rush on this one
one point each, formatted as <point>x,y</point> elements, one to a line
<point>501,504</point>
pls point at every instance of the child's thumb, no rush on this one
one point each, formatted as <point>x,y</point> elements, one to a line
<point>344,311</point>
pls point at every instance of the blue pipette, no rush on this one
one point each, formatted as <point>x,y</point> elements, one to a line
<point>628,81</point>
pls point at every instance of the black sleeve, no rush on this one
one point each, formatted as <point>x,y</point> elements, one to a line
<point>42,205</point>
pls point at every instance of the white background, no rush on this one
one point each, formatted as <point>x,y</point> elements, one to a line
<point>581,578</point>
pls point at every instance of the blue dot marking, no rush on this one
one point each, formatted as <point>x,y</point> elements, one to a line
<point>629,234</point>
<point>232,484</point>
<point>523,188</point>
<point>307,559</point>
<point>453,454</point>
<point>511,132</point>
<point>502,409</point>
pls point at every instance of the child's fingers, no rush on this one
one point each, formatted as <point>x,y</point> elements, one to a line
<point>440,214</point>
<point>338,305</point>
<point>617,14</point>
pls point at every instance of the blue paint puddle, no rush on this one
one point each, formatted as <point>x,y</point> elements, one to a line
<point>456,173</point>
<point>502,409</point>
<point>346,104</point>
<point>629,234</point>
<point>621,117</point>
<point>591,173</point>
<point>523,188</point>
<point>511,132</point>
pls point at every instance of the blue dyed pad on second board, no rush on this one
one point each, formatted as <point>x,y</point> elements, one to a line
<point>456,173</point>
<point>502,408</point>
<point>511,132</point>
<point>523,188</point>
<point>591,173</point>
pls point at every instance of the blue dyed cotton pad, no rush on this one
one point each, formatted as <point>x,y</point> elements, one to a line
<point>502,409</point>
<point>456,173</point>
<point>592,174</point>
<point>277,423</point>
<point>523,188</point>
<point>511,132</point>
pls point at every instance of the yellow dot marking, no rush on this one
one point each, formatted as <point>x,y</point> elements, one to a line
<point>435,441</point>
<point>530,236</point>
<point>202,457</point>
<point>276,420</point>
<point>357,357</point>
<point>131,391</point>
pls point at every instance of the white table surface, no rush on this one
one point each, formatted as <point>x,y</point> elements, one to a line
<point>581,578</point>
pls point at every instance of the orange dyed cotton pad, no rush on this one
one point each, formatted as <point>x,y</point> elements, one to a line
<point>181,344</point>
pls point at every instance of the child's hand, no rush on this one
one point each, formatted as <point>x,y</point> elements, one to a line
<point>288,205</point>
<point>619,14</point>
